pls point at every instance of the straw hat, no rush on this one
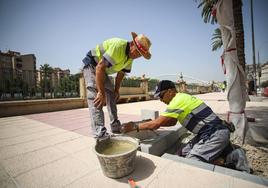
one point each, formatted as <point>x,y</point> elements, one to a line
<point>143,44</point>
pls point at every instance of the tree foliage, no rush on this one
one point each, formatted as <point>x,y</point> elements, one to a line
<point>206,13</point>
<point>216,40</point>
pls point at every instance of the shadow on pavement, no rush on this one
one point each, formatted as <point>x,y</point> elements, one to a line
<point>144,167</point>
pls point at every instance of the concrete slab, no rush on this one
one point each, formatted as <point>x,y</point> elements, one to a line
<point>26,162</point>
<point>5,179</point>
<point>158,141</point>
<point>12,151</point>
<point>198,164</point>
<point>218,169</point>
<point>56,174</point>
<point>246,184</point>
<point>76,145</point>
<point>59,138</point>
<point>149,114</point>
<point>97,179</point>
<point>88,157</point>
<point>241,175</point>
<point>14,129</point>
<point>30,137</point>
<point>182,175</point>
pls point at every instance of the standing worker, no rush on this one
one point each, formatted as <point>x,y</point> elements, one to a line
<point>212,134</point>
<point>114,55</point>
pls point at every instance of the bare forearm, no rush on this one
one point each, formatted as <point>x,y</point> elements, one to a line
<point>150,125</point>
<point>155,124</point>
<point>100,75</point>
<point>119,77</point>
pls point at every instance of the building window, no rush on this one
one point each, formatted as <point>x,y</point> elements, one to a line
<point>19,65</point>
<point>18,59</point>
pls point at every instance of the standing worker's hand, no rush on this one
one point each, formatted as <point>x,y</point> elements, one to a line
<point>99,101</point>
<point>117,95</point>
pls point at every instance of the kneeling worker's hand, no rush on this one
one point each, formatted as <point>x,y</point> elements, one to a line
<point>129,126</point>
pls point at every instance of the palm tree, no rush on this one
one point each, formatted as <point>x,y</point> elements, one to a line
<point>216,40</point>
<point>46,71</point>
<point>207,8</point>
<point>239,31</point>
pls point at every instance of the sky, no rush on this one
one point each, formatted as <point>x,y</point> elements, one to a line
<point>61,32</point>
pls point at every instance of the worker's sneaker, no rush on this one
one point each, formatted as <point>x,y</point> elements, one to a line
<point>116,131</point>
<point>105,136</point>
<point>116,127</point>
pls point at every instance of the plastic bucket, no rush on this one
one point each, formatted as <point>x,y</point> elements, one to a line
<point>120,164</point>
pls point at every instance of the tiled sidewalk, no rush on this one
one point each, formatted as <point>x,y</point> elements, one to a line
<point>77,120</point>
<point>50,150</point>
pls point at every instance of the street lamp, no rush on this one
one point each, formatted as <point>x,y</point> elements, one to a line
<point>259,74</point>
<point>259,68</point>
<point>253,47</point>
<point>181,77</point>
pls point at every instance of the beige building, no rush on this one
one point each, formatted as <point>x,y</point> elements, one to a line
<point>55,77</point>
<point>13,65</point>
<point>264,72</point>
<point>59,74</point>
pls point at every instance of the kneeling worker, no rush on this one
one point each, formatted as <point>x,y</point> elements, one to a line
<point>212,133</point>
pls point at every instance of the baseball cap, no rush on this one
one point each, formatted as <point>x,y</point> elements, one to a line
<point>163,85</point>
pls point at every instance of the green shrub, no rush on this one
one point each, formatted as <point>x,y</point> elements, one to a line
<point>264,84</point>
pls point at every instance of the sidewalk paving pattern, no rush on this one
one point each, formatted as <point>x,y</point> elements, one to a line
<point>55,150</point>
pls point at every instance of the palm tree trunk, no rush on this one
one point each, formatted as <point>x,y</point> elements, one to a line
<point>239,29</point>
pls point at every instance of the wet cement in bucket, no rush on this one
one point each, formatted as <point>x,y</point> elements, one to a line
<point>115,147</point>
<point>117,155</point>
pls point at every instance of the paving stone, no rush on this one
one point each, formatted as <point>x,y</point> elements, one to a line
<point>149,114</point>
<point>14,150</point>
<point>97,179</point>
<point>13,131</point>
<point>183,175</point>
<point>8,183</point>
<point>60,138</point>
<point>157,142</point>
<point>147,168</point>
<point>30,137</point>
<point>6,120</point>
<point>156,147</point>
<point>25,162</point>
<point>189,161</point>
<point>5,180</point>
<point>241,175</point>
<point>264,181</point>
<point>89,157</point>
<point>57,174</point>
<point>10,132</point>
<point>246,184</point>
<point>83,131</point>
<point>76,144</point>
